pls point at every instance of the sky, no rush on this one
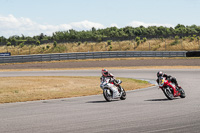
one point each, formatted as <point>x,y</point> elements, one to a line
<point>33,17</point>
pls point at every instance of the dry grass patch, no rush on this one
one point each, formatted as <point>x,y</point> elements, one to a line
<point>131,45</point>
<point>20,89</point>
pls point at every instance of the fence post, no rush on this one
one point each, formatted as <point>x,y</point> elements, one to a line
<point>120,46</point>
<point>181,44</point>
<point>149,46</point>
<point>29,50</point>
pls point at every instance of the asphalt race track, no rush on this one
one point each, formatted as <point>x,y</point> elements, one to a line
<point>144,111</point>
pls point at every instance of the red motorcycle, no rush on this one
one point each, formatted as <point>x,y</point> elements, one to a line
<point>170,89</point>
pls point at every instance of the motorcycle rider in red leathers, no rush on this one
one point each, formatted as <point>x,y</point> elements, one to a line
<point>108,78</point>
<point>167,77</point>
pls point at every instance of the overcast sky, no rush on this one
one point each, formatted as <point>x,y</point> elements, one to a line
<point>32,17</point>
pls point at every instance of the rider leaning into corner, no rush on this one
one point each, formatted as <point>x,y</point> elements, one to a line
<point>167,77</point>
<point>108,78</point>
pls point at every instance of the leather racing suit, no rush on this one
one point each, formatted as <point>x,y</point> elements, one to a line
<point>108,80</point>
<point>169,78</point>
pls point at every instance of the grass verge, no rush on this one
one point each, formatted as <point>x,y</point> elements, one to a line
<point>21,89</point>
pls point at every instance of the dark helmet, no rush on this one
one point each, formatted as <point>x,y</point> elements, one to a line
<point>160,73</point>
<point>104,72</point>
<point>165,75</point>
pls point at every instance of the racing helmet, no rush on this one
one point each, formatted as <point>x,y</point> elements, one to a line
<point>164,75</point>
<point>104,72</point>
<point>160,73</point>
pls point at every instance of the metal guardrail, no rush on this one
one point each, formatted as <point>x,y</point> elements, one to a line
<point>90,55</point>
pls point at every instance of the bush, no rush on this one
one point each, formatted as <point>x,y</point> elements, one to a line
<point>144,39</point>
<point>109,42</point>
<point>184,38</point>
<point>192,39</point>
<point>21,45</point>
<point>137,39</point>
<point>176,38</point>
<point>162,39</point>
<point>198,38</point>
<point>175,42</point>
<point>8,44</point>
<point>37,42</point>
<point>79,43</point>
<point>110,48</point>
<point>99,39</point>
<point>54,44</point>
<point>47,47</point>
<point>138,42</point>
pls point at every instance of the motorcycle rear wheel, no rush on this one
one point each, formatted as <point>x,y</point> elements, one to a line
<point>182,93</point>
<point>123,97</point>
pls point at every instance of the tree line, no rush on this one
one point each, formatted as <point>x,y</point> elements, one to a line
<point>100,34</point>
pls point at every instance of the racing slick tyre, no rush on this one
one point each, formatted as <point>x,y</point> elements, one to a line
<point>168,93</point>
<point>123,97</point>
<point>182,93</point>
<point>107,93</point>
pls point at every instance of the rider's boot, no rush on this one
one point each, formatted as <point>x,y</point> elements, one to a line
<point>120,89</point>
<point>178,87</point>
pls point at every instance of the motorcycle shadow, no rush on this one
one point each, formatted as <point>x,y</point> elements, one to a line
<point>101,101</point>
<point>161,99</point>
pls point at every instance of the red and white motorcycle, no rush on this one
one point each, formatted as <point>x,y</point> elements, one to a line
<point>169,89</point>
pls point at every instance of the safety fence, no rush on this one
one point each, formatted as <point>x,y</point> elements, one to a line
<point>89,55</point>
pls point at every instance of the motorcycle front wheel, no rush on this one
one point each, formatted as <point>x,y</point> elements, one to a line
<point>107,94</point>
<point>168,93</point>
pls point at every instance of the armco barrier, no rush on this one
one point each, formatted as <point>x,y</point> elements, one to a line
<point>193,54</point>
<point>90,55</point>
